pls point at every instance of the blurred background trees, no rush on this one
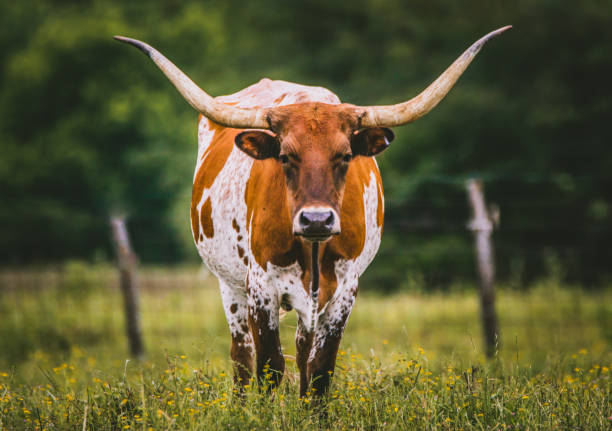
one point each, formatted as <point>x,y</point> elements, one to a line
<point>89,127</point>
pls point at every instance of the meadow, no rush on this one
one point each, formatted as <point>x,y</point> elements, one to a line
<point>408,360</point>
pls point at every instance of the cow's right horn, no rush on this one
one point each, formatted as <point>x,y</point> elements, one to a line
<point>218,112</point>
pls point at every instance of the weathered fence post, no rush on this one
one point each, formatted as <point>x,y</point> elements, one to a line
<point>127,262</point>
<point>481,225</point>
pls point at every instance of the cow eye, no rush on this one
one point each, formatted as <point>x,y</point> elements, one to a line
<point>347,158</point>
<point>284,159</point>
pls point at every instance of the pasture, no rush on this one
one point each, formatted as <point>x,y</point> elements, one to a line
<point>410,360</point>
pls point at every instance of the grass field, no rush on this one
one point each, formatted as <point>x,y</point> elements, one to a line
<point>407,361</point>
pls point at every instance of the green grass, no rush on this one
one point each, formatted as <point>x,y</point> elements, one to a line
<point>407,361</point>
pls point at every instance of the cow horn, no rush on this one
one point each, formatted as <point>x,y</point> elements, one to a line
<point>218,112</point>
<point>415,108</point>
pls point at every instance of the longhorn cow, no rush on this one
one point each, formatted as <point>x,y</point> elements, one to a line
<point>287,208</point>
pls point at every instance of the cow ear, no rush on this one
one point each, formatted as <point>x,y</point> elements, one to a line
<point>259,144</point>
<point>372,141</point>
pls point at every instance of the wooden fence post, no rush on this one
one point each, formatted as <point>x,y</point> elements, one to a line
<point>127,262</point>
<point>481,225</point>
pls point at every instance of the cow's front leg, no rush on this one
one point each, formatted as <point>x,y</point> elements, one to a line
<point>263,320</point>
<point>326,340</point>
<point>237,315</point>
<point>322,360</point>
<point>303,344</point>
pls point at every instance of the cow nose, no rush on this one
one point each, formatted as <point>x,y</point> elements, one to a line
<point>317,224</point>
<point>316,220</point>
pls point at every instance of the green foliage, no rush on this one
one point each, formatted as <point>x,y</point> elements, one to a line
<point>88,127</point>
<point>407,361</point>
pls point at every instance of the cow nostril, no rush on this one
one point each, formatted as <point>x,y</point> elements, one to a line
<point>304,220</point>
<point>329,221</point>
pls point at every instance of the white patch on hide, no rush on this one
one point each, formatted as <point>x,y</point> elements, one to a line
<point>236,312</point>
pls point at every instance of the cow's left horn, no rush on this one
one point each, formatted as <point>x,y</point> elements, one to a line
<point>402,113</point>
<point>216,111</point>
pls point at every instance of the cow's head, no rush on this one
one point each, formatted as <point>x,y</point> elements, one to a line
<point>315,142</point>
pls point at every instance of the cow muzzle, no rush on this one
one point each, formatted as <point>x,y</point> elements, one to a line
<point>316,223</point>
